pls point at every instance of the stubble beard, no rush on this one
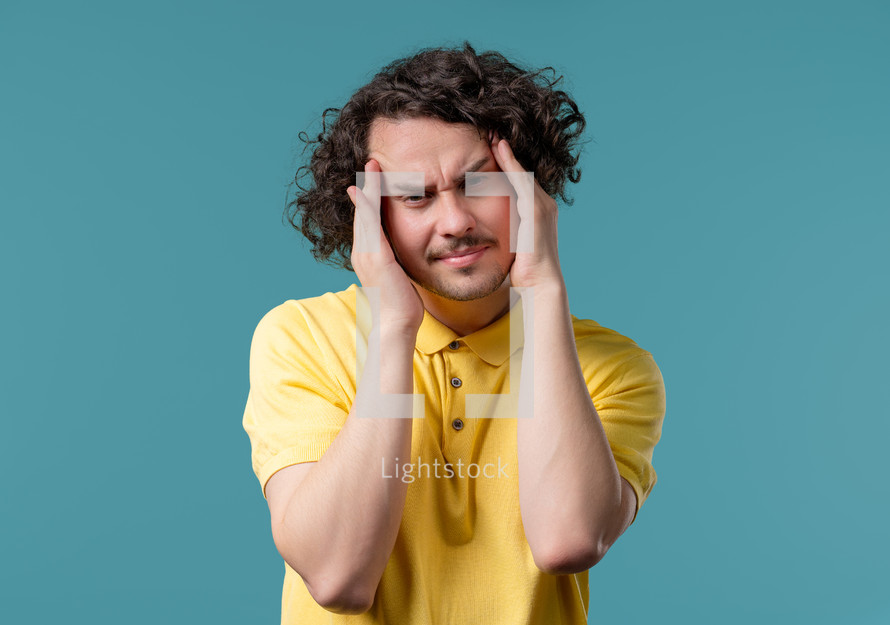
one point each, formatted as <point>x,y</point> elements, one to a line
<point>464,290</point>
<point>459,290</point>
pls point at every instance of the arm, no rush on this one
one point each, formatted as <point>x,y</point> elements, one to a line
<point>574,503</point>
<point>335,521</point>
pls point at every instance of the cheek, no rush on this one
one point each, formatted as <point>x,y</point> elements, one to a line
<point>508,217</point>
<point>386,219</point>
<point>401,230</point>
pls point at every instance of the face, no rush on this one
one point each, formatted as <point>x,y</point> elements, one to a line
<point>450,244</point>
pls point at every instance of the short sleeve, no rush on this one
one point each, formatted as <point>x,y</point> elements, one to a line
<point>295,407</point>
<point>632,409</point>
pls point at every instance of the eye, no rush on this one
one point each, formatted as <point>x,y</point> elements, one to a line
<point>413,200</point>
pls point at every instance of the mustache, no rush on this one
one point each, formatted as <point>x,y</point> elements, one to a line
<point>463,242</point>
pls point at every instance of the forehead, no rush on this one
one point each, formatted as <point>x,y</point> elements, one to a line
<point>425,145</point>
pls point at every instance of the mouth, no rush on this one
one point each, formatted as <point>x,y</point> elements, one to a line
<point>461,258</point>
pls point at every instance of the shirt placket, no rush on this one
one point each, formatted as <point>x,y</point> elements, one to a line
<point>457,430</point>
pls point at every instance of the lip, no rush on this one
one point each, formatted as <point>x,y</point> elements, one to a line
<point>461,258</point>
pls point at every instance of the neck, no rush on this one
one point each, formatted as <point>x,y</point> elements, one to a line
<point>467,317</point>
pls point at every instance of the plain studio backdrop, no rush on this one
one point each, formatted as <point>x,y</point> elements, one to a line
<point>732,218</point>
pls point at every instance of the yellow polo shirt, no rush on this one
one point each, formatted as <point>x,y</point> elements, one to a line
<point>460,556</point>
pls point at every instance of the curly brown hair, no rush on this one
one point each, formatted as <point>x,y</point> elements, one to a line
<point>542,124</point>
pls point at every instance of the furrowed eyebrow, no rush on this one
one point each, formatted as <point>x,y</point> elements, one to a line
<point>482,162</point>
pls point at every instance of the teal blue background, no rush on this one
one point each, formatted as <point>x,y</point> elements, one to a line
<point>732,219</point>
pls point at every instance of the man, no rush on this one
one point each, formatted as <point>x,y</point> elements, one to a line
<point>382,519</point>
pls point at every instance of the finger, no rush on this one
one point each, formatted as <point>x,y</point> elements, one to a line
<point>503,152</point>
<point>367,210</point>
<point>371,188</point>
<point>359,235</point>
<point>367,228</point>
<point>523,182</point>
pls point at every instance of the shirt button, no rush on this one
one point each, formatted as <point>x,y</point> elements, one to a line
<point>453,345</point>
<point>457,424</point>
<point>455,382</point>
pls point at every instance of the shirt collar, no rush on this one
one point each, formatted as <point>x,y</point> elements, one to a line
<point>491,343</point>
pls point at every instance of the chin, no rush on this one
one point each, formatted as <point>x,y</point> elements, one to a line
<point>466,291</point>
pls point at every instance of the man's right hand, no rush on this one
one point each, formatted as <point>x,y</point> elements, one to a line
<point>401,309</point>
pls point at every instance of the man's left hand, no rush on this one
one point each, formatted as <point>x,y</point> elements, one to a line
<point>540,266</point>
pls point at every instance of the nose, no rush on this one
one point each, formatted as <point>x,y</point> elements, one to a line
<point>453,216</point>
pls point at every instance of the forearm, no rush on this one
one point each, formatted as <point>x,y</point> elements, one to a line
<point>569,486</point>
<point>341,522</point>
